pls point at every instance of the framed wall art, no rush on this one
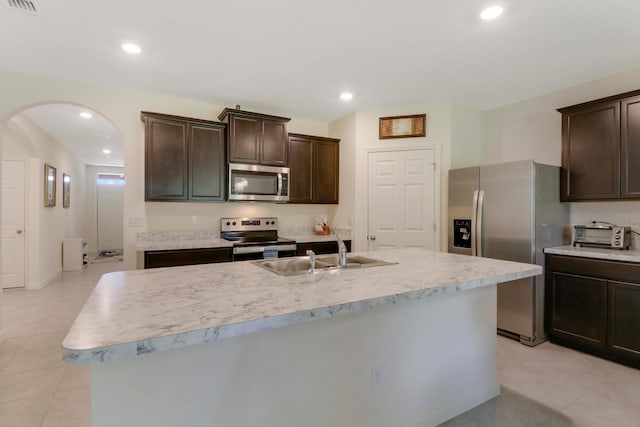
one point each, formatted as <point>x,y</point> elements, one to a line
<point>49,186</point>
<point>66,190</point>
<point>403,126</point>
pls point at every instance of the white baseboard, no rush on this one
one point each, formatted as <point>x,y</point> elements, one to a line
<point>45,282</point>
<point>456,408</point>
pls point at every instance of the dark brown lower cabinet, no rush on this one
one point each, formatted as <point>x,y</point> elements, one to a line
<point>579,307</point>
<point>593,305</point>
<point>624,319</point>
<point>177,257</point>
<point>321,248</point>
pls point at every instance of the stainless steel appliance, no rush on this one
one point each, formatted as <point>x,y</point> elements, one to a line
<point>603,235</point>
<point>255,238</point>
<point>258,183</point>
<point>510,211</point>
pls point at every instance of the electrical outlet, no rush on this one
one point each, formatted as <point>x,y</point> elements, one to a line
<point>377,377</point>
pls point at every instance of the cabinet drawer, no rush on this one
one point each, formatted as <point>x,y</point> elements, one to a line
<point>612,270</point>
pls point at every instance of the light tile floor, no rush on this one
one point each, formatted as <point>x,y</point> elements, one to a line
<point>543,386</point>
<point>36,388</point>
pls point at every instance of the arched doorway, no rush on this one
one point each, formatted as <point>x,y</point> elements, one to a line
<point>78,143</point>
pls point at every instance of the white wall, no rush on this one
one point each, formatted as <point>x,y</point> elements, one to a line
<point>345,129</point>
<point>532,130</point>
<point>46,227</point>
<point>359,133</point>
<point>122,108</point>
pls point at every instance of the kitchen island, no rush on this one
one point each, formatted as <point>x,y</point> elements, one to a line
<point>234,345</point>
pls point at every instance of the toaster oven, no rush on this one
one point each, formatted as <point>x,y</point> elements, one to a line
<point>603,236</point>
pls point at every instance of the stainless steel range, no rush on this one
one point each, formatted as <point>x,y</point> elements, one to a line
<point>255,238</point>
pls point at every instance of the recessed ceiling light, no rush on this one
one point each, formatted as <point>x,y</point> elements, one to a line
<point>86,115</point>
<point>131,48</point>
<point>491,12</point>
<point>106,151</point>
<point>346,96</point>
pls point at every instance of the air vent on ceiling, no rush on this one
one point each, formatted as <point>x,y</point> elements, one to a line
<point>26,6</point>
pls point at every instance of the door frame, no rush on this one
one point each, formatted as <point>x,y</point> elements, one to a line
<point>437,191</point>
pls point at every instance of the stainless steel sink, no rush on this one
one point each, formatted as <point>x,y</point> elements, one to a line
<point>302,264</point>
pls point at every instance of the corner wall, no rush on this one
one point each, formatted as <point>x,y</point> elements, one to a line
<point>47,227</point>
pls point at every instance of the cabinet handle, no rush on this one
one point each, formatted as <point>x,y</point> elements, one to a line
<point>18,231</point>
<point>372,237</point>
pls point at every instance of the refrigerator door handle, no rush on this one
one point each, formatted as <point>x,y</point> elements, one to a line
<point>479,222</point>
<point>474,223</point>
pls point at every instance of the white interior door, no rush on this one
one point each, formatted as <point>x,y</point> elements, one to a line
<point>110,223</point>
<point>402,199</point>
<point>13,243</point>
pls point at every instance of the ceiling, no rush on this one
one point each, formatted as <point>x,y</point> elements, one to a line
<point>294,57</point>
<point>86,138</point>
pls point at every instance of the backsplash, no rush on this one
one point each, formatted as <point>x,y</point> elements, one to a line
<point>619,213</point>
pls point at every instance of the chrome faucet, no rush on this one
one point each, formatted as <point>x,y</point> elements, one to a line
<point>342,253</point>
<point>312,256</point>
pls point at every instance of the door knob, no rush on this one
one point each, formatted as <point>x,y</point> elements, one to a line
<point>372,237</point>
<point>18,231</point>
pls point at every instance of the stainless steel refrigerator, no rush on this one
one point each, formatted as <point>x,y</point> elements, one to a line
<point>510,211</point>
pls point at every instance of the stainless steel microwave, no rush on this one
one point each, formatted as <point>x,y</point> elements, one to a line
<point>258,183</point>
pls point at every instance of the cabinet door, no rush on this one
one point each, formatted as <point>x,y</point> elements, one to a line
<point>301,170</point>
<point>244,139</point>
<point>624,320</point>
<point>578,310</point>
<point>591,153</point>
<point>166,157</point>
<point>326,172</point>
<point>274,144</point>
<point>630,146</point>
<point>206,163</point>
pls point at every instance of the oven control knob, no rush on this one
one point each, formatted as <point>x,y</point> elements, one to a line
<point>618,231</point>
<point>234,223</point>
<point>228,223</point>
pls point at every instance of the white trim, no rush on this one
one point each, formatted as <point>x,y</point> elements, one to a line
<point>45,282</point>
<point>437,155</point>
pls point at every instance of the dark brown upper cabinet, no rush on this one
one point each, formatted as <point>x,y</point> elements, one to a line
<point>256,138</point>
<point>314,162</point>
<point>600,145</point>
<point>184,158</point>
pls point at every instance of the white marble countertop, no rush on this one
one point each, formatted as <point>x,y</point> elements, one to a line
<point>629,255</point>
<point>131,313</point>
<point>166,245</point>
<point>312,238</point>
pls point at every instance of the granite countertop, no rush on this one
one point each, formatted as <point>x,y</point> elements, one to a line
<point>311,238</point>
<point>131,313</point>
<point>629,255</point>
<point>168,240</point>
<point>166,245</point>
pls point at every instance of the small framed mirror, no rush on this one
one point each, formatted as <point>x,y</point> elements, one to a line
<point>49,186</point>
<point>66,190</point>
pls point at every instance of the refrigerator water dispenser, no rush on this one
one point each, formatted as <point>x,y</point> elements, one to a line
<point>462,233</point>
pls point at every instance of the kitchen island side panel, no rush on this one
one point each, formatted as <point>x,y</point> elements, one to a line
<point>411,364</point>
